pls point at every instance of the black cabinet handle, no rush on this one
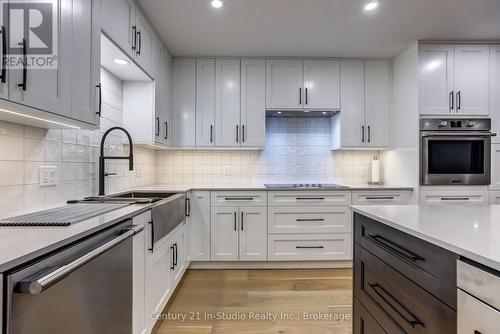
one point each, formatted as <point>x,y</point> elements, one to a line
<point>188,207</point>
<point>4,60</point>
<point>394,248</point>
<point>211,133</point>
<point>25,65</point>
<point>157,128</point>
<point>387,298</point>
<point>235,222</point>
<point>459,100</point>
<point>242,133</point>
<point>238,198</point>
<point>237,133</point>
<point>140,43</point>
<point>172,260</point>
<point>309,247</point>
<point>99,108</point>
<point>166,130</point>
<point>380,197</point>
<point>134,40</point>
<point>369,133</point>
<point>477,332</point>
<point>300,95</point>
<point>309,198</point>
<point>455,198</point>
<point>362,133</point>
<point>309,220</point>
<point>242,220</point>
<point>151,249</point>
<point>176,254</point>
<point>451,101</point>
<point>307,98</point>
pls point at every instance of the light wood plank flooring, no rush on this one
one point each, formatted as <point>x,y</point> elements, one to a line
<point>229,302</point>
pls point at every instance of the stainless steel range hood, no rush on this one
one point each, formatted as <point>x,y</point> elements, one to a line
<point>301,113</point>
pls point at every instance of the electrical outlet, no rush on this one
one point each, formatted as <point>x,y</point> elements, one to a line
<point>361,171</point>
<point>138,171</point>
<point>226,170</point>
<point>48,176</point>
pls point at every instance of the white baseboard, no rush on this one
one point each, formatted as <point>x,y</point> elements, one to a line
<point>272,265</point>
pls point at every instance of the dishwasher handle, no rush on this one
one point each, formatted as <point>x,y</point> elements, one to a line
<point>37,286</point>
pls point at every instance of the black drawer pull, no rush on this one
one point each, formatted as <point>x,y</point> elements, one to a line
<point>394,248</point>
<point>152,237</point>
<point>380,197</point>
<point>310,247</point>
<point>455,198</point>
<point>310,219</point>
<point>172,260</point>
<point>309,198</point>
<point>380,291</point>
<point>238,198</point>
<point>477,332</point>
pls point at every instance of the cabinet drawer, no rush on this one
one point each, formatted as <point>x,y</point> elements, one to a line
<point>319,219</point>
<point>398,304</point>
<point>363,322</point>
<point>475,316</point>
<point>286,247</point>
<point>473,197</point>
<point>309,198</point>
<point>494,197</point>
<point>380,197</point>
<point>239,198</point>
<point>429,266</point>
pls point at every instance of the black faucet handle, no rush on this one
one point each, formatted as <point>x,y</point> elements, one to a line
<point>131,161</point>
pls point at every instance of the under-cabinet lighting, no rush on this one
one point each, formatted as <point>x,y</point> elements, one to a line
<point>39,119</point>
<point>217,3</point>
<point>121,61</point>
<point>371,5</point>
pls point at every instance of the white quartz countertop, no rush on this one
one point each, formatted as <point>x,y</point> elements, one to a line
<point>21,244</point>
<point>470,231</point>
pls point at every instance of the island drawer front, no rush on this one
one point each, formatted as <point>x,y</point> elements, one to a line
<point>459,197</point>
<point>363,322</point>
<point>303,247</point>
<point>319,219</point>
<point>475,316</point>
<point>428,265</point>
<point>398,304</point>
<point>377,197</point>
<point>239,198</point>
<point>309,198</point>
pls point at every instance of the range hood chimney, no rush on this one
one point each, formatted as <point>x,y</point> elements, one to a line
<point>301,113</point>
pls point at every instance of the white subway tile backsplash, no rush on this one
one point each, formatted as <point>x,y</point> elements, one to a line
<point>11,173</point>
<point>11,148</point>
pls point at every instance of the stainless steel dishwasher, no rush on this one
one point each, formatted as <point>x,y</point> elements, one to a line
<point>83,288</point>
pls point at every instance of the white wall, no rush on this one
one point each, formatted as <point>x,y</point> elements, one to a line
<point>400,164</point>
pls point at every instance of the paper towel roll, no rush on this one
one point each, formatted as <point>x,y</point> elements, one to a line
<point>375,170</point>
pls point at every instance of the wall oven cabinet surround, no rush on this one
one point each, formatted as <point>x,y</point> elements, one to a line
<point>455,151</point>
<point>365,95</point>
<point>303,84</point>
<point>454,79</point>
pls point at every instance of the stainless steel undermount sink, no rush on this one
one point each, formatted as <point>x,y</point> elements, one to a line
<point>133,197</point>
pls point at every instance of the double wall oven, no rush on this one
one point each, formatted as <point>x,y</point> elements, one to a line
<point>455,151</point>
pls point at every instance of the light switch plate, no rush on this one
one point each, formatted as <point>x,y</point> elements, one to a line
<point>226,170</point>
<point>48,176</point>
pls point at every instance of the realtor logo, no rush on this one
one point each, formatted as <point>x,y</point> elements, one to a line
<point>32,32</point>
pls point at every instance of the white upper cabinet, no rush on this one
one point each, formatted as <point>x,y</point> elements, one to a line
<point>4,88</point>
<point>350,121</point>
<point>436,78</point>
<point>143,42</point>
<point>47,89</point>
<point>253,102</point>
<point>166,96</point>
<point>205,102</point>
<point>494,91</point>
<point>377,102</point>
<point>227,102</point>
<point>284,82</point>
<point>472,81</point>
<point>184,102</point>
<point>454,79</point>
<point>118,23</point>
<point>322,84</point>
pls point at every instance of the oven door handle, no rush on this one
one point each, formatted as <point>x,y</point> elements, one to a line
<point>38,285</point>
<point>455,134</point>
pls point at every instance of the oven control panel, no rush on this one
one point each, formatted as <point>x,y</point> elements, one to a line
<point>455,124</point>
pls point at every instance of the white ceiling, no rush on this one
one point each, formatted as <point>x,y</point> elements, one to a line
<point>316,28</point>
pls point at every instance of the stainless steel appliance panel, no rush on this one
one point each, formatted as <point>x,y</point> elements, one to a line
<point>86,288</point>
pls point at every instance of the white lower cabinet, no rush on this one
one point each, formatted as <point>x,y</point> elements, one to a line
<point>495,167</point>
<point>301,247</point>
<point>462,197</point>
<point>239,233</point>
<point>199,225</point>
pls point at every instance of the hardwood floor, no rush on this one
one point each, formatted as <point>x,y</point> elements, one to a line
<point>261,302</point>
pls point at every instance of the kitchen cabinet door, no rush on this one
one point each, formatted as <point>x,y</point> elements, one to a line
<point>86,60</point>
<point>184,106</point>
<point>322,84</point>
<point>494,91</point>
<point>179,244</point>
<point>118,20</point>
<point>253,234</point>
<point>284,82</point>
<point>436,78</point>
<point>227,102</point>
<point>495,167</point>
<point>205,102</point>
<point>200,225</point>
<point>472,83</point>
<point>377,102</point>
<point>352,116</point>
<point>166,97</point>
<point>144,42</point>
<point>48,89</point>
<point>224,233</point>
<point>253,102</point>
<point>159,89</point>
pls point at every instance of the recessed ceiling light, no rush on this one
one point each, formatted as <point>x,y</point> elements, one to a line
<point>279,112</point>
<point>120,61</point>
<point>217,3</point>
<point>371,5</point>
